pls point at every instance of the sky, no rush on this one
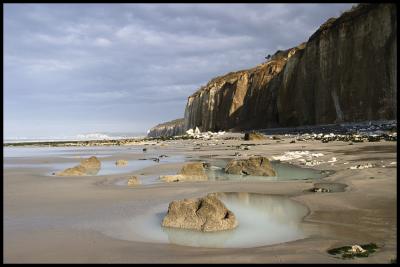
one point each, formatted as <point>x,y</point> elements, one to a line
<point>88,68</point>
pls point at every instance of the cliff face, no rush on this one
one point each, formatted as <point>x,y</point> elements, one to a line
<point>345,72</point>
<point>171,128</point>
<point>234,99</point>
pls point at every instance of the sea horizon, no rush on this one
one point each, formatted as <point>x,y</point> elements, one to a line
<point>78,137</point>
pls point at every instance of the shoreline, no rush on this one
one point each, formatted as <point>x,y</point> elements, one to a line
<point>364,129</point>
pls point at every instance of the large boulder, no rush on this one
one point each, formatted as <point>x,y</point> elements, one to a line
<point>258,166</point>
<point>253,136</point>
<point>90,166</point>
<point>206,214</point>
<point>193,171</point>
<point>193,168</point>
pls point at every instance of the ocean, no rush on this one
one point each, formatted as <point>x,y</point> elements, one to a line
<point>78,137</point>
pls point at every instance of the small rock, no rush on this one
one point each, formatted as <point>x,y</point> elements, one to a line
<point>133,180</point>
<point>254,136</point>
<point>121,162</point>
<point>320,190</point>
<point>357,249</point>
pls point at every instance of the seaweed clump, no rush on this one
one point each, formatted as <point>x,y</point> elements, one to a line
<point>349,252</point>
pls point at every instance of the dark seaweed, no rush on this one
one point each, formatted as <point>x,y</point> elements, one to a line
<point>346,254</point>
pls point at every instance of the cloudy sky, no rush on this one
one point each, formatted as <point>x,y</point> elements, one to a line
<point>86,68</point>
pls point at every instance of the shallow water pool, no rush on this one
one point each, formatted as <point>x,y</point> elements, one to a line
<point>263,220</point>
<point>108,167</point>
<point>284,171</point>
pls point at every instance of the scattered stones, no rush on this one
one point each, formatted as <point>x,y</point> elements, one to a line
<point>360,167</point>
<point>133,180</point>
<point>258,166</point>
<point>121,162</point>
<point>90,166</point>
<point>304,157</point>
<point>207,214</point>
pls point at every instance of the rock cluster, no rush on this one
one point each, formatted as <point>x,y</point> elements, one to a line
<point>257,166</point>
<point>90,166</point>
<point>197,134</point>
<point>207,214</point>
<point>357,138</point>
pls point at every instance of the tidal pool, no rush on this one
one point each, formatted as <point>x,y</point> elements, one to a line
<point>284,171</point>
<point>108,167</point>
<point>263,220</point>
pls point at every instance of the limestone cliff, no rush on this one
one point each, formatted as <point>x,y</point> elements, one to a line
<point>345,72</point>
<point>171,128</point>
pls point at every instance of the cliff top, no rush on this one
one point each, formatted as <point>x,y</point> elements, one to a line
<point>348,15</point>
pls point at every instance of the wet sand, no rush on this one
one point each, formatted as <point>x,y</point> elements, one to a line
<point>57,219</point>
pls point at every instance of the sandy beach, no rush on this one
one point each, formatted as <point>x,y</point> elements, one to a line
<point>74,219</point>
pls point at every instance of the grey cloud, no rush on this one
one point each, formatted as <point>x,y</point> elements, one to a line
<point>134,65</point>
